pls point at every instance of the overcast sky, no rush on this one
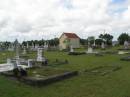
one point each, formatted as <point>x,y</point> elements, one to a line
<point>37,19</point>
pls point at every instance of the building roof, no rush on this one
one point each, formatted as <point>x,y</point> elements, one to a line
<point>71,35</point>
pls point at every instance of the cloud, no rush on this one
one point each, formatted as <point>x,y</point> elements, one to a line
<point>37,19</point>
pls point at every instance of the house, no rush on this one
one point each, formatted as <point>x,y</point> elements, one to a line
<point>69,39</point>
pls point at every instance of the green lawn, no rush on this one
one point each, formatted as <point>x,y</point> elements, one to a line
<point>45,71</point>
<point>114,84</point>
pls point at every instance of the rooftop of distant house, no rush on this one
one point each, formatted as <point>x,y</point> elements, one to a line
<point>71,35</point>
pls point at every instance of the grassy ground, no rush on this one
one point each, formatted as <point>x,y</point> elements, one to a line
<point>45,71</point>
<point>115,84</point>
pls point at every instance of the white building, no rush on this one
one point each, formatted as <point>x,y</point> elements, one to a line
<point>69,39</point>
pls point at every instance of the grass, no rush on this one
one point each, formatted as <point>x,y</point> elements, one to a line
<point>114,84</point>
<point>45,71</point>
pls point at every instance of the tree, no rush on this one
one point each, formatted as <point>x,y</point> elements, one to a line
<point>83,41</point>
<point>91,39</point>
<point>106,38</point>
<point>53,42</point>
<point>123,37</point>
<point>98,41</point>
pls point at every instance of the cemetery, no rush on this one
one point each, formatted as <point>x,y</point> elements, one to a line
<point>102,70</point>
<point>35,70</point>
<point>64,48</point>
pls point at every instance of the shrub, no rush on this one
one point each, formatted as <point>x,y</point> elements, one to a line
<point>16,72</point>
<point>76,53</point>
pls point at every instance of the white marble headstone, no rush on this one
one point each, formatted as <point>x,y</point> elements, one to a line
<point>90,50</point>
<point>103,45</point>
<point>39,55</point>
<point>126,44</point>
<point>24,51</point>
<point>71,49</point>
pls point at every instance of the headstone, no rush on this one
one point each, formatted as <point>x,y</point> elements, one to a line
<point>15,64</point>
<point>33,45</point>
<point>9,62</point>
<point>103,45</point>
<point>46,46</point>
<point>30,62</point>
<point>71,49</point>
<point>27,45</point>
<point>11,48</point>
<point>126,45</point>
<point>24,50</point>
<point>90,50</point>
<point>36,46</point>
<point>39,55</point>
<point>94,44</point>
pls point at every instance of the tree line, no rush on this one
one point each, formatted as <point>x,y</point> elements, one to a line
<point>106,38</point>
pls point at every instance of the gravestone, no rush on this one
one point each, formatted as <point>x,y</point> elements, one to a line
<point>33,46</point>
<point>36,46</point>
<point>94,44</point>
<point>103,45</point>
<point>27,45</point>
<point>126,45</point>
<point>30,63</point>
<point>46,46</point>
<point>9,62</point>
<point>40,57</point>
<point>71,49</point>
<point>11,47</point>
<point>90,50</point>
<point>24,50</point>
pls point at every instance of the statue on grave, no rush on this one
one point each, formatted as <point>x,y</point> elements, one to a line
<point>16,45</point>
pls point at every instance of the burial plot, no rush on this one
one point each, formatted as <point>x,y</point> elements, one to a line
<point>126,46</point>
<point>125,58</point>
<point>102,70</point>
<point>45,76</point>
<point>122,52</point>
